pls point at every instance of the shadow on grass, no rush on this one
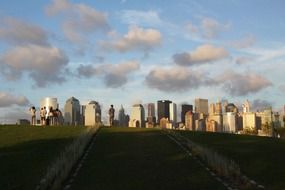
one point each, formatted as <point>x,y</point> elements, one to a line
<point>261,158</point>
<point>24,164</point>
<point>124,158</point>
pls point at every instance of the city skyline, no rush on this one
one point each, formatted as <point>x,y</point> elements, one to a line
<point>128,52</point>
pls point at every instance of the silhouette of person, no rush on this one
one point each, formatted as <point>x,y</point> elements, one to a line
<point>33,113</point>
<point>111,115</point>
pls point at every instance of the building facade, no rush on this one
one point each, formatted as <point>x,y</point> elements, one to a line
<point>163,109</point>
<point>185,108</point>
<point>137,118</point>
<point>92,114</point>
<point>173,114</point>
<point>201,106</point>
<point>122,118</point>
<point>72,112</point>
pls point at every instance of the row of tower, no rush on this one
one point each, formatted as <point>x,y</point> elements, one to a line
<point>74,113</point>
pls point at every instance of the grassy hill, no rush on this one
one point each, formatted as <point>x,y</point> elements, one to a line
<point>26,152</point>
<point>130,158</point>
<point>260,158</point>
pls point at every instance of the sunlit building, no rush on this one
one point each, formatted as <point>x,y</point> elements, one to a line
<point>215,118</point>
<point>185,108</point>
<point>137,118</point>
<point>248,118</point>
<point>201,106</point>
<point>172,114</point>
<point>92,114</point>
<point>230,122</point>
<point>189,121</point>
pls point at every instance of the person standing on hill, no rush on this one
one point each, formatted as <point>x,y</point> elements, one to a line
<point>111,115</point>
<point>33,113</point>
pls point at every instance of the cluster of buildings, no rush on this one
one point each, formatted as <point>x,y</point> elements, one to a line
<point>213,117</point>
<point>202,116</point>
<point>73,114</point>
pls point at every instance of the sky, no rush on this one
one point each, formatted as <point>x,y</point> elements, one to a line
<point>126,52</point>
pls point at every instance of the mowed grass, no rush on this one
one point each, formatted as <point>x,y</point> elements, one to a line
<point>130,158</point>
<point>26,152</point>
<point>260,158</point>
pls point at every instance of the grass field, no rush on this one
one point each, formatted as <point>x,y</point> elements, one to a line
<point>260,158</point>
<point>26,152</point>
<point>124,158</point>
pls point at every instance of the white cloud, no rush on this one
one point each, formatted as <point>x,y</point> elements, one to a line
<point>18,32</point>
<point>80,20</point>
<point>136,39</point>
<point>43,64</point>
<point>114,75</point>
<point>202,54</point>
<point>7,99</point>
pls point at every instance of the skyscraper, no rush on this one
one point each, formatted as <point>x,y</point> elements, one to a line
<point>163,109</point>
<point>151,110</point>
<point>122,117</point>
<point>72,111</point>
<point>92,113</point>
<point>151,119</point>
<point>185,108</point>
<point>137,118</point>
<point>201,106</point>
<point>173,114</point>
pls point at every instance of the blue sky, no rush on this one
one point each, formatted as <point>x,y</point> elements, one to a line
<point>125,52</point>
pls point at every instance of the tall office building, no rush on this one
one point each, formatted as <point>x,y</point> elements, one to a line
<point>201,106</point>
<point>184,109</point>
<point>249,120</point>
<point>72,111</point>
<point>123,122</point>
<point>92,113</point>
<point>163,109</point>
<point>151,110</point>
<point>173,114</point>
<point>151,119</point>
<point>137,118</point>
<point>230,122</point>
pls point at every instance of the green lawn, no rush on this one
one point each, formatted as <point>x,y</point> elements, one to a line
<point>260,158</point>
<point>129,158</point>
<point>26,152</point>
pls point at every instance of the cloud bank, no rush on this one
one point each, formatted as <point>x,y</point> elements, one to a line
<point>43,64</point>
<point>80,20</point>
<point>136,39</point>
<point>114,76</point>
<point>202,54</point>
<point>7,99</point>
